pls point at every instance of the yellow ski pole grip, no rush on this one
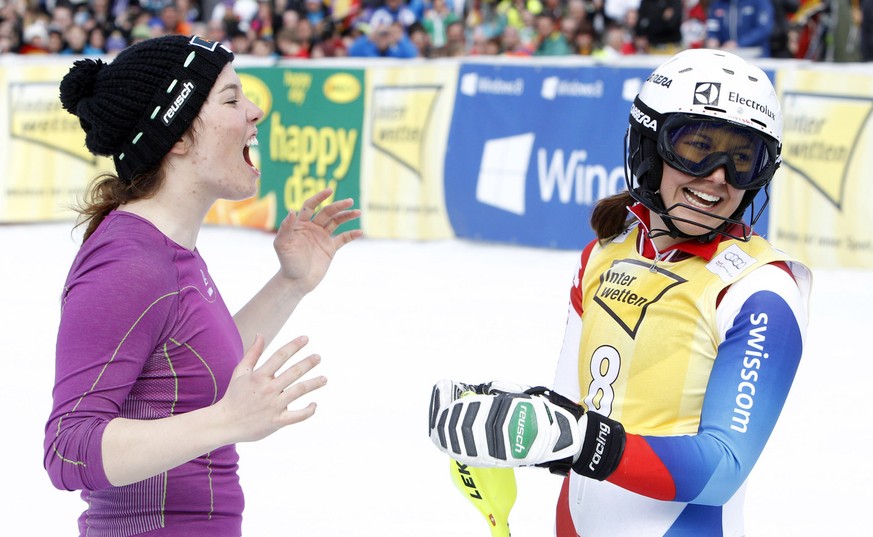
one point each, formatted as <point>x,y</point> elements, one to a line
<point>492,491</point>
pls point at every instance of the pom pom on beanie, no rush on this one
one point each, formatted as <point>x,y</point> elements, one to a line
<point>136,107</point>
<point>79,84</point>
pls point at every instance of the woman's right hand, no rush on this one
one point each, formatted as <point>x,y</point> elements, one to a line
<point>257,399</point>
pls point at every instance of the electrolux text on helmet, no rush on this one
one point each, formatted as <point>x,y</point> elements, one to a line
<point>735,97</point>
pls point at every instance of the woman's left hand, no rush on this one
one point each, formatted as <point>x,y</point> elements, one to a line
<point>305,242</point>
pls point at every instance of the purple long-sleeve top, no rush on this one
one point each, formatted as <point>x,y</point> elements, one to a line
<point>144,334</point>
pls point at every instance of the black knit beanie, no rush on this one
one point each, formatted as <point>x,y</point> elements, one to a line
<point>135,108</point>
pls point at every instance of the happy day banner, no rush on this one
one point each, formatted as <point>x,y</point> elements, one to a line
<point>309,139</point>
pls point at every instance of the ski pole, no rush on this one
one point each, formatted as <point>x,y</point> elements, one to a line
<point>492,492</point>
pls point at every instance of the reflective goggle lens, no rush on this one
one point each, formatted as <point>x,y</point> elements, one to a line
<point>699,147</point>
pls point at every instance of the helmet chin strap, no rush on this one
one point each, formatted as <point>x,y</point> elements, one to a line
<point>647,192</point>
<point>653,201</point>
<point>736,219</point>
<point>673,231</point>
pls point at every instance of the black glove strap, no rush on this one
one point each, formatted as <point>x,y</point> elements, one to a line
<point>557,399</point>
<point>601,449</point>
<point>563,466</point>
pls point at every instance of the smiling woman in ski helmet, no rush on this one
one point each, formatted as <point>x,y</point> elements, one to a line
<point>684,328</point>
<point>704,113</point>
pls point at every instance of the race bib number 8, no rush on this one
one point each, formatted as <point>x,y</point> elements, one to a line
<point>605,365</point>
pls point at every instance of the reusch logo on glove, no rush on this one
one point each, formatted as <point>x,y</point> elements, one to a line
<point>522,429</point>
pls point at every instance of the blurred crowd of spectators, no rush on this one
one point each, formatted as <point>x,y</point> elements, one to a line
<point>440,28</point>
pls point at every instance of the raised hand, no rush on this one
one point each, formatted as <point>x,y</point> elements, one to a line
<point>305,242</point>
<point>257,398</point>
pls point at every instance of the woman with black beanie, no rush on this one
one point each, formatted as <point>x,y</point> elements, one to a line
<point>153,387</point>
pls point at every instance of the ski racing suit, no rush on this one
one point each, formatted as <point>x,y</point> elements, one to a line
<point>693,350</point>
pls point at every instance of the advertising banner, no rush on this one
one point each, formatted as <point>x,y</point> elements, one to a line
<point>309,139</point>
<point>822,209</point>
<point>510,153</point>
<point>406,127</point>
<point>44,165</point>
<point>532,150</point>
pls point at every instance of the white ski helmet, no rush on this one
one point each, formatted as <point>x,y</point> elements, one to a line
<point>703,87</point>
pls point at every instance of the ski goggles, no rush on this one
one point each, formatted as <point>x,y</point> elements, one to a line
<point>698,146</point>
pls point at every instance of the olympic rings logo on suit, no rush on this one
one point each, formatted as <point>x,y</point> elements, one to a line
<point>735,260</point>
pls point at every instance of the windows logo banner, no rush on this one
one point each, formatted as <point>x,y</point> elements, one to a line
<point>532,150</point>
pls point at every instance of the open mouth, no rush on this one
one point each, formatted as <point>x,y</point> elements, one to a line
<point>700,199</point>
<point>253,141</point>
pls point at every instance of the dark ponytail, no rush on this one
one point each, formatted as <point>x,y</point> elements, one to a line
<point>107,192</point>
<point>610,216</point>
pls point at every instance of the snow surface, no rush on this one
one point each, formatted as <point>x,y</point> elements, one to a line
<point>390,319</point>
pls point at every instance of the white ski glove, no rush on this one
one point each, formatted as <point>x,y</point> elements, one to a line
<point>500,424</point>
<point>446,391</point>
